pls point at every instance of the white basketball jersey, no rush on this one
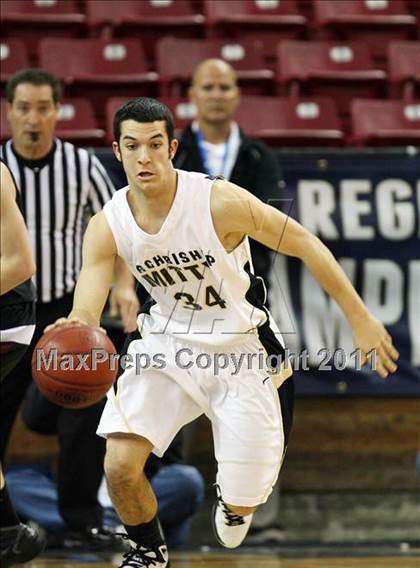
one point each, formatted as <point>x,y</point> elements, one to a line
<point>200,292</point>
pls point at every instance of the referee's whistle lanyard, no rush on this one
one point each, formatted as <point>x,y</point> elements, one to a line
<point>204,154</point>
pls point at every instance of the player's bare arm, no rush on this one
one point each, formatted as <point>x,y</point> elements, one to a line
<point>91,292</point>
<point>17,261</point>
<point>237,213</point>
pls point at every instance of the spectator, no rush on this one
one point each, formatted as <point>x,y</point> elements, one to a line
<point>215,144</point>
<point>58,183</point>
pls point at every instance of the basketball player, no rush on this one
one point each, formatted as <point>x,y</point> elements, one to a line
<point>185,235</point>
<point>18,542</point>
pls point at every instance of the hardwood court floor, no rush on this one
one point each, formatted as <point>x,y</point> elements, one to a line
<point>202,560</point>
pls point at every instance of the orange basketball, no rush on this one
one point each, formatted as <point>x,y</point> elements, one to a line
<point>74,366</point>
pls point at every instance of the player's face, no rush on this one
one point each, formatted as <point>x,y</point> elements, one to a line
<point>146,154</point>
<point>33,115</point>
<point>215,94</point>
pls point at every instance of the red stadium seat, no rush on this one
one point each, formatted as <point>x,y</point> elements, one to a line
<point>339,70</point>
<point>253,19</point>
<point>183,111</point>
<point>86,66</point>
<point>76,122</point>
<point>374,21</point>
<point>169,14</point>
<point>413,7</point>
<point>404,68</point>
<point>34,12</point>
<point>177,59</point>
<point>151,19</point>
<point>96,60</point>
<point>31,20</point>
<point>376,122</point>
<point>112,105</point>
<point>13,57</point>
<point>5,131</point>
<point>291,122</point>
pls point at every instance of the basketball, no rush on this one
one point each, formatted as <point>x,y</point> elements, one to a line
<point>74,366</point>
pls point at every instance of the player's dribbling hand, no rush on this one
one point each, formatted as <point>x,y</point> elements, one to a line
<point>375,344</point>
<point>66,322</point>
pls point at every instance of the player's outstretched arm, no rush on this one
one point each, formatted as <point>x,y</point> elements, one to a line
<point>92,288</point>
<point>236,212</point>
<point>17,261</point>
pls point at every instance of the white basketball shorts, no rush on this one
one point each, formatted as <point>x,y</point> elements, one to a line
<point>176,381</point>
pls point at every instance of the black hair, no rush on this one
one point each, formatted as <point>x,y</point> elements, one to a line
<point>144,109</point>
<point>36,77</point>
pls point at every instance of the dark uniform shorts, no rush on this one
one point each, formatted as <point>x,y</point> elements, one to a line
<point>15,316</point>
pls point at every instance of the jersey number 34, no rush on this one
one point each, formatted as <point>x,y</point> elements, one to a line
<point>212,298</point>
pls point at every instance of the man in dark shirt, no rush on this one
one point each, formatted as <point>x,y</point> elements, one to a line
<point>215,144</point>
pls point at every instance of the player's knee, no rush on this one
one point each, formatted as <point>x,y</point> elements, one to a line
<point>120,473</point>
<point>125,460</point>
<point>242,511</point>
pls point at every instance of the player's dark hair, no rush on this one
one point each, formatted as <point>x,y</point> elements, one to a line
<point>37,77</point>
<point>143,109</point>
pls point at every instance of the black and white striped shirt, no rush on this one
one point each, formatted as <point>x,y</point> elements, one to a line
<point>55,193</point>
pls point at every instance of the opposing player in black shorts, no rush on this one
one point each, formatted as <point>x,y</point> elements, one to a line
<point>18,542</point>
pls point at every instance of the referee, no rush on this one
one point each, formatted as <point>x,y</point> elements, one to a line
<point>58,183</point>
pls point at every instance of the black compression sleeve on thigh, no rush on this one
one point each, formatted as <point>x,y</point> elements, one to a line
<point>146,534</point>
<point>8,517</point>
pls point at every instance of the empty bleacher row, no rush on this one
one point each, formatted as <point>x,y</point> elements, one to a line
<point>374,21</point>
<point>309,73</point>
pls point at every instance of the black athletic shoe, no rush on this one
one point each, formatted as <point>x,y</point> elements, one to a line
<point>144,557</point>
<point>19,544</point>
<point>94,539</point>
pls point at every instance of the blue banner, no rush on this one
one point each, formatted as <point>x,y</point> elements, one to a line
<point>365,207</point>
